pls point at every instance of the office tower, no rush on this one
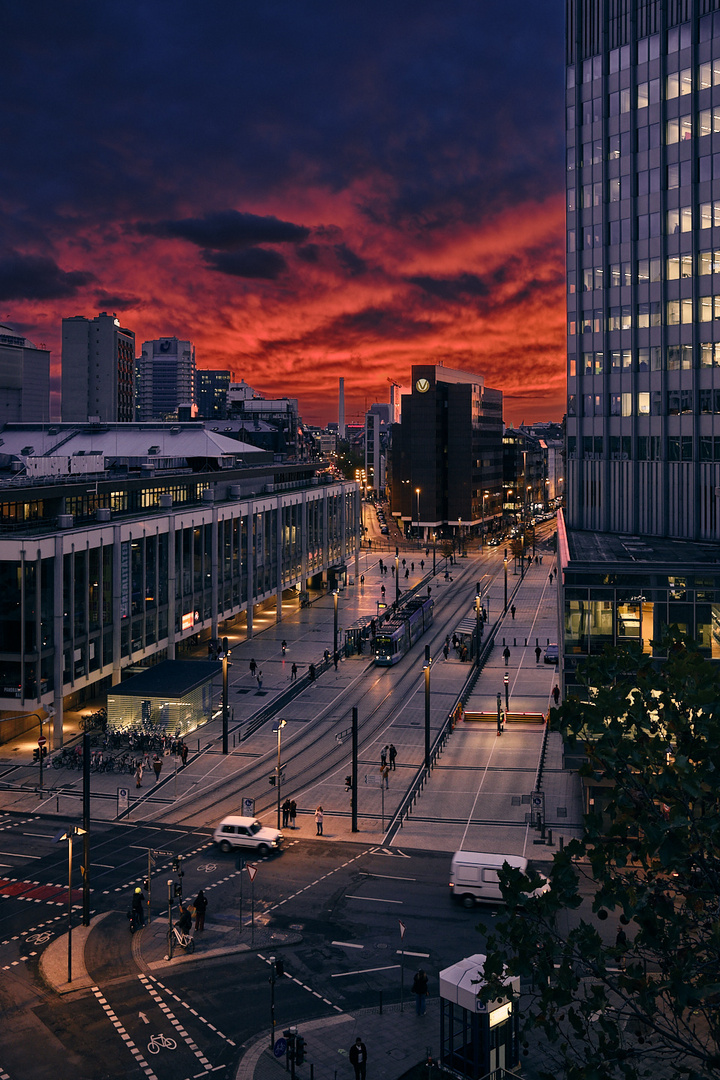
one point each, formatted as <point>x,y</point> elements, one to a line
<point>24,379</point>
<point>446,454</point>
<point>98,369</point>
<point>211,393</point>
<point>166,378</point>
<point>639,552</point>
<point>643,259</point>
<point>377,425</point>
<point>341,408</point>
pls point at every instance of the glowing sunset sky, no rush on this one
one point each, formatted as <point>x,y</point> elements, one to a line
<point>304,189</point>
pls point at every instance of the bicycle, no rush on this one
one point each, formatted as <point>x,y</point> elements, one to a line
<point>185,941</point>
<point>161,1042</point>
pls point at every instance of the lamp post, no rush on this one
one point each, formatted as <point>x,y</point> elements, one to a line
<point>72,830</point>
<point>397,576</point>
<point>426,670</point>
<point>505,565</point>
<point>482,511</point>
<point>460,536</point>
<point>225,666</point>
<point>478,626</point>
<point>280,726</point>
<point>417,493</point>
<point>335,622</point>
<point>434,540</point>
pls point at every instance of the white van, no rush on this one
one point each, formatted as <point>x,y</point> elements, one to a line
<point>474,876</point>
<point>246,832</point>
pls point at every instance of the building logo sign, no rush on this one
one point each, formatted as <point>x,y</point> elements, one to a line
<point>422,386</point>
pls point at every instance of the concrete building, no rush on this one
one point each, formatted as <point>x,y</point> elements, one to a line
<point>524,473</point>
<point>446,453</point>
<point>377,429</point>
<point>643,299</point>
<point>170,532</point>
<point>165,378</point>
<point>24,379</point>
<point>98,370</point>
<point>249,405</point>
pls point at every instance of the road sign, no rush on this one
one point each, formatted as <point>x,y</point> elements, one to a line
<point>252,871</point>
<point>373,779</point>
<point>42,740</point>
<point>280,1047</point>
<point>156,853</point>
<point>248,807</point>
<point>123,799</point>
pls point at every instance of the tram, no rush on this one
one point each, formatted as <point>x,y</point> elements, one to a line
<point>394,638</point>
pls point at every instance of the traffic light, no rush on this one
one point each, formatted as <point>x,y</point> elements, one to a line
<point>146,884</point>
<point>299,1050</point>
<point>43,751</point>
<point>272,780</point>
<point>348,783</point>
<point>279,968</point>
<point>177,889</point>
<point>36,753</point>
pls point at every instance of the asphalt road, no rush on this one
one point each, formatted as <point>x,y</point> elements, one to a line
<point>340,903</point>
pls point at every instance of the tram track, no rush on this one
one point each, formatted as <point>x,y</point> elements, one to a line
<point>310,755</point>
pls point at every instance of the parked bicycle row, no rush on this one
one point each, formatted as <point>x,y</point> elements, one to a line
<point>126,762</point>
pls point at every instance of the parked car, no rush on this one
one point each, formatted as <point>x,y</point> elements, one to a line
<point>551,654</point>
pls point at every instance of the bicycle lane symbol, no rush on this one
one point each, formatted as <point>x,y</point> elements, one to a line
<point>161,1042</point>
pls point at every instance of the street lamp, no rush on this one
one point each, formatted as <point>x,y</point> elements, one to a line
<point>478,625</point>
<point>280,726</point>
<point>225,665</point>
<point>72,830</point>
<point>505,565</point>
<point>459,536</point>
<point>335,621</point>
<point>417,492</point>
<point>397,577</point>
<point>434,540</point>
<point>482,511</point>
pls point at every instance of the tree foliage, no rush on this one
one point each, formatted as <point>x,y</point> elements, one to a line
<point>646,866</point>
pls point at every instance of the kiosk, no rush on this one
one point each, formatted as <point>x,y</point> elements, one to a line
<point>477,1037</point>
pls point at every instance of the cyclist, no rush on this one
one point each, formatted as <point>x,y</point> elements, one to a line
<point>184,923</point>
<point>284,646</point>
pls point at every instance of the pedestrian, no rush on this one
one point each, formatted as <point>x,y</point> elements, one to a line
<point>138,774</point>
<point>319,821</point>
<point>283,646</point>
<point>385,775</point>
<point>311,672</point>
<point>326,656</point>
<point>383,756</point>
<point>446,650</point>
<point>157,766</point>
<point>336,659</point>
<point>253,667</point>
<point>550,577</point>
<point>422,564</point>
<point>512,611</point>
<point>358,1058</point>
<point>293,813</point>
<point>412,567</point>
<point>506,655</point>
<point>556,694</point>
<point>382,591</point>
<point>429,589</point>
<point>362,580</point>
<point>184,754</point>
<point>403,562</point>
<point>200,909</point>
<point>538,650</point>
<point>286,813</point>
<point>259,680</point>
<point>392,754</point>
<point>137,908</point>
<point>420,989</point>
<point>392,571</point>
<point>407,573</point>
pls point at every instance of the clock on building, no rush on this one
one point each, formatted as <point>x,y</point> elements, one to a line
<point>422,386</point>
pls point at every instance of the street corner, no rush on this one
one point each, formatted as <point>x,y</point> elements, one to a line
<point>64,969</point>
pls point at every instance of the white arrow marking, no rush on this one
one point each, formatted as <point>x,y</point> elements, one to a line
<point>144,1018</point>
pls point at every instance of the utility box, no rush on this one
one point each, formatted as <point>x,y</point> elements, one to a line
<point>477,1037</point>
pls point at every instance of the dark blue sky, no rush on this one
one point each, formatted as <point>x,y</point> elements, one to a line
<point>303,189</point>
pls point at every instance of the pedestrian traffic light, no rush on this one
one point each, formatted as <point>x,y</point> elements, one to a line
<point>299,1050</point>
<point>146,884</point>
<point>43,751</point>
<point>177,889</point>
<point>176,864</point>
<point>279,968</point>
<point>36,753</point>
<point>272,780</point>
<point>348,783</point>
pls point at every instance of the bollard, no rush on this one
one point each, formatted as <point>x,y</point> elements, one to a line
<point>381,1002</point>
<point>549,837</point>
<point>562,842</point>
<point>526,643</point>
<point>514,643</point>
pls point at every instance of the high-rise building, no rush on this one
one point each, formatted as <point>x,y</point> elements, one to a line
<point>377,427</point>
<point>166,378</point>
<point>643,205</point>
<point>24,379</point>
<point>98,369</point>
<point>211,393</point>
<point>639,552</point>
<point>446,454</point>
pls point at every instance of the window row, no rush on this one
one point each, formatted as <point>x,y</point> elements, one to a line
<point>645,403</point>
<point>677,358</point>
<point>625,317</point>
<point>679,220</point>
<point>648,270</point>
<point>649,447</point>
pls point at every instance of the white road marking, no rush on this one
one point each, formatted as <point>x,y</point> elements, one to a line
<point>364,971</point>
<point>375,899</point>
<point>347,944</point>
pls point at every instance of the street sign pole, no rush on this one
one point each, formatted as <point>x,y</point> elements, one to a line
<point>252,871</point>
<point>402,964</point>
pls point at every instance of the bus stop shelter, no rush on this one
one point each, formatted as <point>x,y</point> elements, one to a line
<point>172,698</point>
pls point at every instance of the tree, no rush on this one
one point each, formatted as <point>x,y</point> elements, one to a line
<point>622,954</point>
